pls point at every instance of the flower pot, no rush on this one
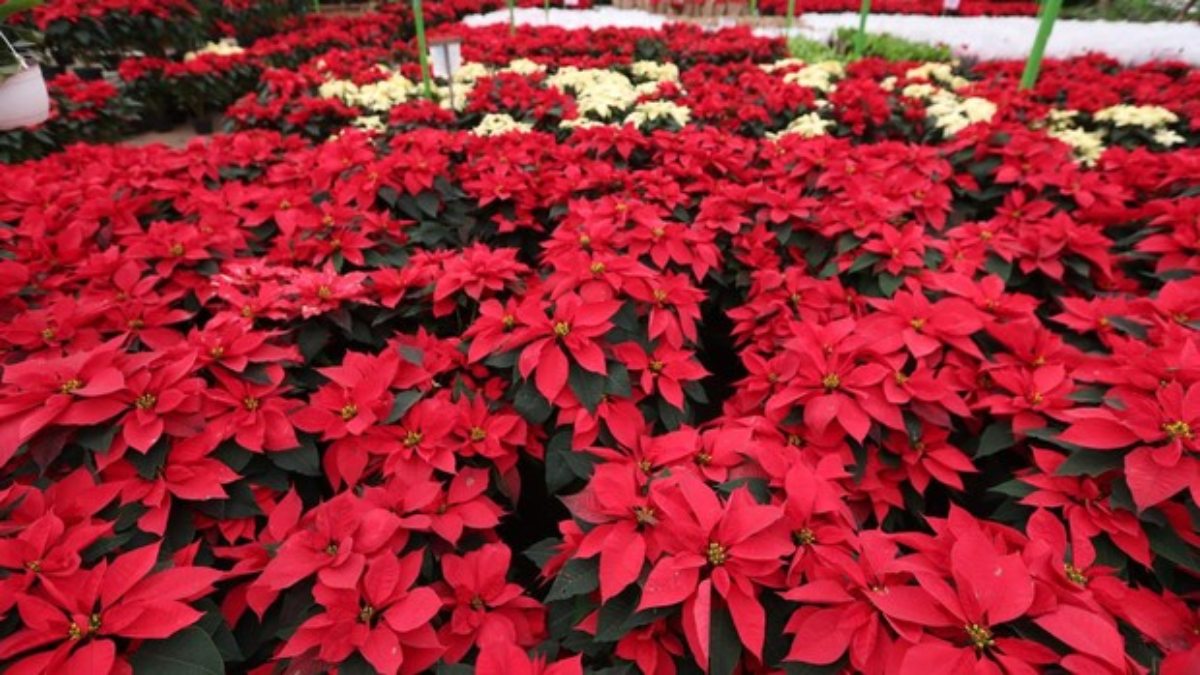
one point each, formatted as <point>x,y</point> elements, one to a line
<point>24,100</point>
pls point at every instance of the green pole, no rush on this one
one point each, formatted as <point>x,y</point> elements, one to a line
<point>753,7</point>
<point>860,38</point>
<point>791,14</point>
<point>422,51</point>
<point>512,17</point>
<point>546,5</point>
<point>1034,65</point>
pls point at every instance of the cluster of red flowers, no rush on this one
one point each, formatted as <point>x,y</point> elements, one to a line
<point>74,10</point>
<point>887,399</point>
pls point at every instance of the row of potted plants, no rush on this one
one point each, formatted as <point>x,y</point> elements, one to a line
<point>595,374</point>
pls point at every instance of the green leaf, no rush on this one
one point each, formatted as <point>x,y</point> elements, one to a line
<point>541,552</point>
<point>1088,463</point>
<point>304,460</point>
<point>888,283</point>
<point>149,463</point>
<point>996,436</point>
<point>618,381</point>
<point>725,648</point>
<point>998,266</point>
<point>1128,326</point>
<point>862,262</point>
<point>531,404</point>
<point>98,438</point>
<point>189,652</point>
<point>404,401</point>
<point>577,577</point>
<point>588,387</point>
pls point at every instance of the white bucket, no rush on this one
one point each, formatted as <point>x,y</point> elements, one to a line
<point>24,100</point>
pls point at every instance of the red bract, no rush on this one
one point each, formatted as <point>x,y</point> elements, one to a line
<point>731,548</point>
<point>573,328</point>
<point>79,615</point>
<point>381,616</point>
<point>485,608</point>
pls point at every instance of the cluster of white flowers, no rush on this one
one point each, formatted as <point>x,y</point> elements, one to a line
<point>808,125</point>
<point>598,93</point>
<point>1086,145</point>
<point>1150,117</point>
<point>953,113</point>
<point>226,47</point>
<point>378,96</point>
<point>820,76</point>
<point>495,124</point>
<point>653,71</point>
<point>937,71</point>
<point>523,67</point>
<point>1145,116</point>
<point>650,111</point>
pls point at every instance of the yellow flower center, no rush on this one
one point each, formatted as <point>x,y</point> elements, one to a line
<point>831,381</point>
<point>477,603</point>
<point>644,515</point>
<point>412,438</point>
<point>93,623</point>
<point>917,324</point>
<point>34,566</point>
<point>562,329</point>
<point>1178,430</point>
<point>349,412</point>
<point>806,537</point>
<point>73,632</point>
<point>478,434</point>
<point>598,267</point>
<point>508,321</point>
<point>657,232</point>
<point>716,554</point>
<point>71,386</point>
<point>217,352</point>
<point>703,458</point>
<point>980,636</point>
<point>48,334</point>
<point>247,312</point>
<point>324,292</point>
<point>1075,574</point>
<point>660,296</point>
<point>657,366</point>
<point>366,614</point>
<point>176,249</point>
<point>585,241</point>
<point>146,402</point>
<point>645,466</point>
<point>250,403</point>
<point>331,549</point>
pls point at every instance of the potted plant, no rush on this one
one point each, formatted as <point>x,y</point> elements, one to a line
<point>24,100</point>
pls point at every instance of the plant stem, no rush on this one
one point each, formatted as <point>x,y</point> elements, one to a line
<point>1033,66</point>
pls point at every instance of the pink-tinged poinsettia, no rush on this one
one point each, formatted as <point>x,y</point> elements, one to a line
<point>484,607</point>
<point>333,542</point>
<point>575,327</point>
<point>72,622</point>
<point>836,613</point>
<point>188,472</point>
<point>625,519</point>
<point>665,369</point>
<point>163,397</point>
<point>840,383</point>
<point>350,411</point>
<point>730,549</point>
<point>253,413</point>
<point>381,615</point>
<point>1164,463</point>
<point>1085,506</point>
<point>505,658</point>
<point>80,389</point>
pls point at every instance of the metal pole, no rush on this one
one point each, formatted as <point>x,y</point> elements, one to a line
<point>422,52</point>
<point>791,14</point>
<point>1033,66</point>
<point>860,38</point>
